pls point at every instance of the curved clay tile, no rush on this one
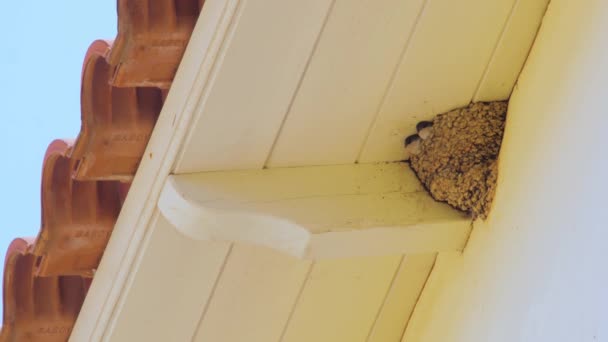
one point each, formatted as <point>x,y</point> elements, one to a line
<point>77,216</point>
<point>41,309</point>
<point>116,122</point>
<point>123,88</point>
<point>152,37</point>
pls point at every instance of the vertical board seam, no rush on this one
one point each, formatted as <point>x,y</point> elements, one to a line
<point>212,293</point>
<point>501,36</point>
<point>466,242</point>
<point>391,80</point>
<point>296,302</point>
<point>300,81</point>
<point>230,32</point>
<point>388,292</point>
<point>426,282</point>
<point>138,257</point>
<point>540,24</point>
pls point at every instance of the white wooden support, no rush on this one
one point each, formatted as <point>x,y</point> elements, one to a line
<point>315,212</point>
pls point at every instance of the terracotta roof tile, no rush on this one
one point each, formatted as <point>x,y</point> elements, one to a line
<point>152,37</point>
<point>116,122</point>
<point>37,308</point>
<point>85,182</point>
<point>77,216</point>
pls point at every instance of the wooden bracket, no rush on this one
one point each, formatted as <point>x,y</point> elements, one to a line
<point>315,212</point>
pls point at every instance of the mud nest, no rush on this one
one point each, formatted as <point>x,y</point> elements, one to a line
<point>455,155</point>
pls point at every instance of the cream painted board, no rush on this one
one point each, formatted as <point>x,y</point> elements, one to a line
<point>154,308</point>
<point>512,50</point>
<point>424,237</point>
<point>305,182</point>
<point>315,212</point>
<point>254,296</point>
<point>441,70</point>
<point>341,300</point>
<point>402,298</point>
<point>446,265</point>
<point>357,54</point>
<point>257,73</point>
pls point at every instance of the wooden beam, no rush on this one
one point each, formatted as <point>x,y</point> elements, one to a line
<point>315,212</point>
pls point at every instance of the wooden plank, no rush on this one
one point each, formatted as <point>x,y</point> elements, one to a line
<point>512,50</point>
<point>295,182</point>
<point>152,301</point>
<point>440,71</point>
<point>337,101</point>
<point>446,265</point>
<point>256,76</point>
<point>254,296</point>
<point>402,298</point>
<point>341,299</point>
<point>418,238</point>
<point>287,210</point>
<point>349,211</point>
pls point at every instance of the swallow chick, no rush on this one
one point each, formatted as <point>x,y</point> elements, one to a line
<point>424,129</point>
<point>412,145</point>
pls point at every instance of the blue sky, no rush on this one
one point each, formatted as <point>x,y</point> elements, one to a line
<point>43,47</point>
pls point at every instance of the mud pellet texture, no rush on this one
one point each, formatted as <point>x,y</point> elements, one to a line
<point>458,161</point>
